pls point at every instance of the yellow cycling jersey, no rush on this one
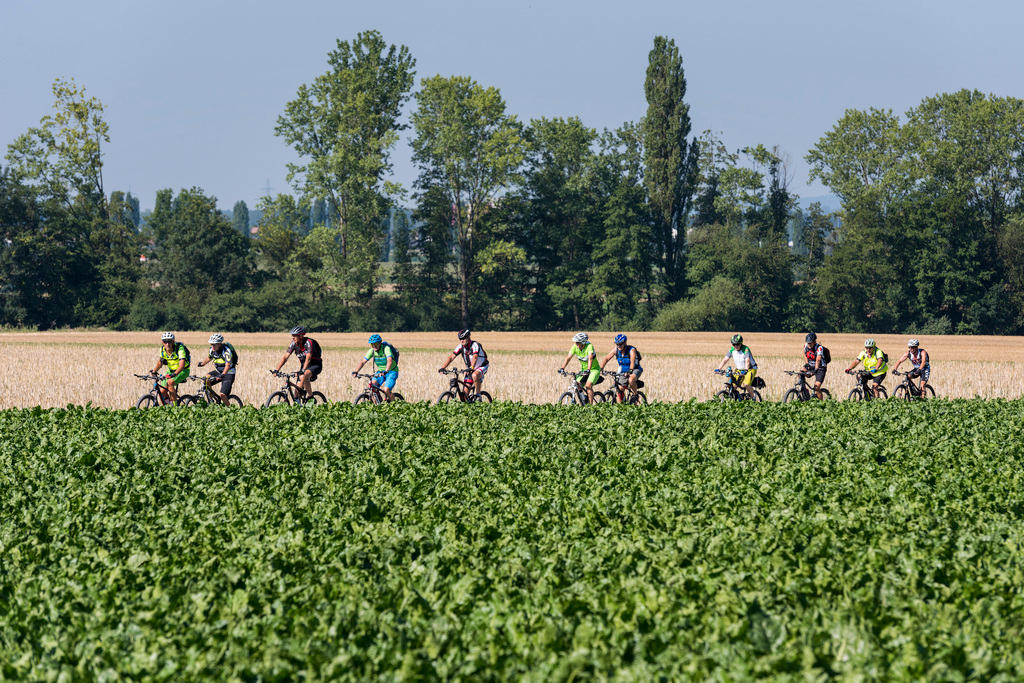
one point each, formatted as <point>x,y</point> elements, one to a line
<point>874,362</point>
<point>587,356</point>
<point>176,360</point>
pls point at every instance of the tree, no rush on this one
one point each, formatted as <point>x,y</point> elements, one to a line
<point>240,218</point>
<point>63,157</point>
<point>470,148</point>
<point>344,125</point>
<point>279,232</point>
<point>670,161</point>
<point>196,248</point>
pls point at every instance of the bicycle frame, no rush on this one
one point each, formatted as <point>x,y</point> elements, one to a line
<point>461,386</point>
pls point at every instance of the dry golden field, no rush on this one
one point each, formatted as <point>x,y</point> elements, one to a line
<point>57,368</point>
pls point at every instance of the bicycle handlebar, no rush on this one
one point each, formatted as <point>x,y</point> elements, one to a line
<point>455,371</point>
<point>376,374</point>
<point>148,376</point>
<point>278,373</point>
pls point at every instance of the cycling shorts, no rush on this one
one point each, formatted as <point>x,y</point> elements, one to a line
<point>482,370</point>
<point>390,377</point>
<point>226,382</point>
<point>878,379</point>
<point>584,377</point>
<point>748,378</point>
<point>819,374</point>
<point>635,371</point>
<point>924,372</point>
<point>314,371</point>
<point>177,379</point>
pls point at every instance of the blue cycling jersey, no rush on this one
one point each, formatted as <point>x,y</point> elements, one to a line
<point>623,358</point>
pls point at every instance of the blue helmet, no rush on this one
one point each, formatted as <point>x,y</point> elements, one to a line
<point>620,339</point>
<point>375,339</point>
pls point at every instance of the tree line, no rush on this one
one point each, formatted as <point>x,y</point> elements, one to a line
<point>543,224</point>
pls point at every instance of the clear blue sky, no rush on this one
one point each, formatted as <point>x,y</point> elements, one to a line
<point>192,89</point>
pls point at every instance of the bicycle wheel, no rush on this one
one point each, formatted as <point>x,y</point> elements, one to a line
<point>724,395</point>
<point>901,392</point>
<point>187,400</point>
<point>276,399</point>
<point>826,394</point>
<point>756,396</point>
<point>598,397</point>
<point>855,394</point>
<point>882,393</point>
<point>362,398</point>
<point>791,395</point>
<point>234,401</point>
<point>147,401</point>
<point>567,399</point>
<point>482,397</point>
<point>397,397</point>
<point>638,399</point>
<point>445,397</point>
<point>316,398</point>
<point>928,391</point>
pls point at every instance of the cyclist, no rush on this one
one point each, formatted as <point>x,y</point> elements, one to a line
<point>311,363</point>
<point>875,361</point>
<point>177,358</point>
<point>629,362</point>
<point>815,361</point>
<point>473,354</point>
<point>224,362</point>
<point>589,368</point>
<point>742,359</point>
<point>921,361</point>
<point>385,361</point>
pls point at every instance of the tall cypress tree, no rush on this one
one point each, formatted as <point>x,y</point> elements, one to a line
<point>240,218</point>
<point>670,160</point>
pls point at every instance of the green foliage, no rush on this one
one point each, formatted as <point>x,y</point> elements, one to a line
<point>240,218</point>
<point>732,542</point>
<point>470,149</point>
<point>717,305</point>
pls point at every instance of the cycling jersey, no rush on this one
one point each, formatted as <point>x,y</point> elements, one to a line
<point>223,357</point>
<point>308,347</point>
<point>812,354</point>
<point>742,358</point>
<point>177,360</point>
<point>917,359</point>
<point>380,358</point>
<point>468,352</point>
<point>623,358</point>
<point>874,362</point>
<point>587,356</point>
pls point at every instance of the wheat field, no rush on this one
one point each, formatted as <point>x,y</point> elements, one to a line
<point>54,369</point>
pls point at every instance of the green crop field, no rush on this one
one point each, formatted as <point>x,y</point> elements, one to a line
<point>692,541</point>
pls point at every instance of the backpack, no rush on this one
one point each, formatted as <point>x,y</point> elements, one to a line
<point>885,357</point>
<point>826,355</point>
<point>234,353</point>
<point>638,356</point>
<point>394,351</point>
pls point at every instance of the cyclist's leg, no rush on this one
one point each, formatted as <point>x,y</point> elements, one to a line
<point>633,377</point>
<point>877,382</point>
<point>478,378</point>
<point>226,382</point>
<point>748,382</point>
<point>172,384</point>
<point>592,378</point>
<point>819,379</point>
<point>388,385</point>
<point>308,377</point>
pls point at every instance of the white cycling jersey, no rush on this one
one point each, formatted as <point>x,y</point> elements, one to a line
<point>468,352</point>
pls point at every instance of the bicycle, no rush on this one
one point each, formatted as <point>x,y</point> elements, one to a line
<point>208,395</point>
<point>154,398</point>
<point>462,389</point>
<point>862,392</point>
<point>373,392</point>
<point>732,391</point>
<point>291,393</point>
<point>621,389</point>
<point>909,391</point>
<point>577,393</point>
<point>800,390</point>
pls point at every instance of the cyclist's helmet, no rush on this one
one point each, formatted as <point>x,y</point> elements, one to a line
<point>580,338</point>
<point>216,338</point>
<point>464,333</point>
<point>737,339</point>
<point>913,344</point>
<point>869,343</point>
<point>620,339</point>
<point>298,330</point>
<point>167,336</point>
<point>374,339</point>
<point>810,338</point>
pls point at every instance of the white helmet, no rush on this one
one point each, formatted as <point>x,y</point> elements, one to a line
<point>913,343</point>
<point>869,343</point>
<point>167,336</point>
<point>580,338</point>
<point>216,338</point>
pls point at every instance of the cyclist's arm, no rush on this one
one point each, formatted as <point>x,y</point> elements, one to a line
<point>606,359</point>
<point>156,370</point>
<point>924,358</point>
<point>725,361</point>
<point>284,359</point>
<point>451,357</point>
<point>591,361</point>
<point>360,366</point>
<point>472,361</point>
<point>853,365</point>
<point>900,360</point>
<point>204,362</point>
<point>568,357</point>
